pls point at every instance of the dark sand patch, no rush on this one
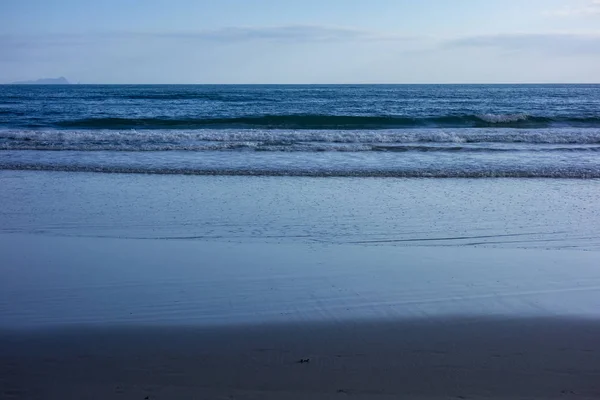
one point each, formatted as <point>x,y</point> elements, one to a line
<point>449,358</point>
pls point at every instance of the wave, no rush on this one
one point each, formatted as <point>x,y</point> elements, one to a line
<point>281,147</point>
<point>391,140</point>
<point>334,122</point>
<point>558,173</point>
<point>219,97</point>
<point>505,118</point>
<point>12,112</point>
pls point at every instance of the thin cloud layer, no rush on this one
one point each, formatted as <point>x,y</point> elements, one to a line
<point>280,33</point>
<point>578,42</point>
<point>21,47</point>
<point>291,33</point>
<point>554,43</point>
<point>591,8</point>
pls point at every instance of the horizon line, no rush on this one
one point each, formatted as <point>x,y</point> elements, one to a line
<point>301,84</point>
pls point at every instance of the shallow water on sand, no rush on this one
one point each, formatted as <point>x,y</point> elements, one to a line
<point>404,212</point>
<point>135,249</point>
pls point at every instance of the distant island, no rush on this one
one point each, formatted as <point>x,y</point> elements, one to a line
<point>45,81</point>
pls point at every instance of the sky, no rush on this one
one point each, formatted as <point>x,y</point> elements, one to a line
<point>301,41</point>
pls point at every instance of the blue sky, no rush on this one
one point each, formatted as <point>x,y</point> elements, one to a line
<point>308,41</point>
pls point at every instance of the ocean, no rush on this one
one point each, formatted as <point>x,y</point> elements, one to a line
<point>439,131</point>
<point>229,205</point>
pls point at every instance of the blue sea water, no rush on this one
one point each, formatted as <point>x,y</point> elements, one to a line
<point>548,131</point>
<point>148,245</point>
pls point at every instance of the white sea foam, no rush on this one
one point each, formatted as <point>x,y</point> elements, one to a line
<point>503,118</point>
<point>281,140</point>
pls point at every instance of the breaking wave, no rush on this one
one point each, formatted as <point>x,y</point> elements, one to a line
<point>333,122</point>
<point>392,140</point>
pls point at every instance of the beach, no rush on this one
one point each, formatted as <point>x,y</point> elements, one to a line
<point>299,242</point>
<point>120,286</point>
<point>445,358</point>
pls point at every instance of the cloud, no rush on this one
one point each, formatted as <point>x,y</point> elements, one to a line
<point>25,42</point>
<point>590,8</point>
<point>281,33</point>
<point>291,33</point>
<point>23,46</point>
<point>295,33</point>
<point>552,43</point>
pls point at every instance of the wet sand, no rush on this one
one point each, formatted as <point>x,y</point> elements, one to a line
<point>442,358</point>
<point>134,319</point>
<point>63,281</point>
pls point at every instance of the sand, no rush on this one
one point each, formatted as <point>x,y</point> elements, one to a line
<point>90,318</point>
<point>445,358</point>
